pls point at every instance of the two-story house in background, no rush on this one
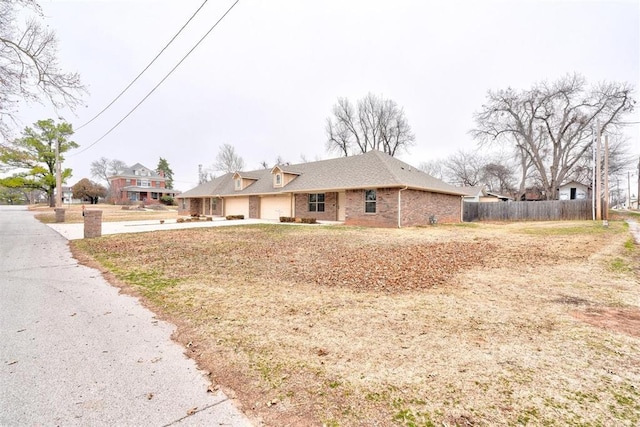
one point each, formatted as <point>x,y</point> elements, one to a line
<point>139,184</point>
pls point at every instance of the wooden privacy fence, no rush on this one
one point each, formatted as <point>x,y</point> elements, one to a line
<point>549,210</point>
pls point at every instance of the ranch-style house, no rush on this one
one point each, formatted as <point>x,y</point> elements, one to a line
<point>371,189</point>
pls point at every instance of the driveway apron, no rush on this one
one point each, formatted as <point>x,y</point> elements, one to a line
<point>73,351</point>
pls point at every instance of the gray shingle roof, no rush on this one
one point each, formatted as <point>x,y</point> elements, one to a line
<point>131,172</point>
<point>373,169</point>
<point>477,190</point>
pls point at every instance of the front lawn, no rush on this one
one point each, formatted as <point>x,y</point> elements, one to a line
<point>495,324</point>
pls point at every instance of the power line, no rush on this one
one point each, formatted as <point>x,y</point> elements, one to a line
<point>156,86</point>
<point>145,68</point>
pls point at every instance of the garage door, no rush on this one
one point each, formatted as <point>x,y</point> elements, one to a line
<point>236,206</point>
<point>273,207</point>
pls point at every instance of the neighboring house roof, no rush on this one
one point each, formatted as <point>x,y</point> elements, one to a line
<point>475,191</point>
<point>373,169</point>
<point>130,172</point>
<point>498,196</point>
<point>574,182</point>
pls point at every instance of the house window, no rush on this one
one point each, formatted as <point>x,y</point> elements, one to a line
<point>154,196</point>
<point>316,202</point>
<point>278,179</point>
<point>157,183</point>
<point>133,196</point>
<point>370,200</point>
<point>184,204</point>
<point>238,184</point>
<point>214,205</point>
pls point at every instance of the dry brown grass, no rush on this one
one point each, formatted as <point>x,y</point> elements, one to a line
<point>110,213</point>
<point>493,324</point>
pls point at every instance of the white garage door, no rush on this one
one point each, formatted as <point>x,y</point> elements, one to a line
<point>236,206</point>
<point>273,207</point>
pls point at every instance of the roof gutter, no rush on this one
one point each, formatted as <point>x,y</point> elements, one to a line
<point>400,205</point>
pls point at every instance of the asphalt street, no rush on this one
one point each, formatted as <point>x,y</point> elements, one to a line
<point>73,351</point>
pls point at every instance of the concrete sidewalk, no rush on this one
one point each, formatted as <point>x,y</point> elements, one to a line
<point>76,231</point>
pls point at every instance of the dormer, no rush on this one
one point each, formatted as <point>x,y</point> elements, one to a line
<point>282,177</point>
<point>142,172</point>
<point>240,181</point>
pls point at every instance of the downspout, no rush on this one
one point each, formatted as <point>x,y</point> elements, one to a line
<point>400,206</point>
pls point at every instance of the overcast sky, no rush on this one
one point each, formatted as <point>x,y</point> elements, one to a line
<point>266,78</point>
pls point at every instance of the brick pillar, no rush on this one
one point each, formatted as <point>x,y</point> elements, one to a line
<point>59,214</point>
<point>92,223</point>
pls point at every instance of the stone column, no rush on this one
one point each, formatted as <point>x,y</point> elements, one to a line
<point>59,214</point>
<point>92,223</point>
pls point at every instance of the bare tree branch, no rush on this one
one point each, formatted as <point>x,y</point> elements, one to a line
<point>29,70</point>
<point>227,160</point>
<point>552,124</point>
<point>375,124</point>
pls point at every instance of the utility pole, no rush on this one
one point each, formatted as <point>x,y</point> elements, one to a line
<point>58,176</point>
<point>597,187</point>
<point>629,190</point>
<point>605,220</point>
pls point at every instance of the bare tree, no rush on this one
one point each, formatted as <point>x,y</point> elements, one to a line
<point>553,124</point>
<point>374,124</point>
<point>29,68</point>
<point>498,177</point>
<point>465,168</point>
<point>103,168</point>
<point>227,160</point>
<point>434,168</point>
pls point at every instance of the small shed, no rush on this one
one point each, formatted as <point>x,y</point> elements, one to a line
<point>574,190</point>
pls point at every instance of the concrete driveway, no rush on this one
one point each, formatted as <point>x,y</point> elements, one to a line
<point>73,351</point>
<point>76,231</point>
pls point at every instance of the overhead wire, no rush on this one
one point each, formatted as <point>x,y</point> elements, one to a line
<point>158,85</point>
<point>145,68</point>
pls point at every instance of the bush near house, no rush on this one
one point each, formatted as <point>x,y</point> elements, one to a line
<point>309,220</point>
<point>167,200</point>
<point>230,217</point>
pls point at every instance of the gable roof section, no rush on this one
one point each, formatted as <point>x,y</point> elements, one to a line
<point>131,172</point>
<point>373,169</point>
<point>574,182</point>
<point>210,188</point>
<point>475,191</point>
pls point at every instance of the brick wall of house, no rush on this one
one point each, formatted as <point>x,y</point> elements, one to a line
<point>330,207</point>
<point>386,208</point>
<point>189,207</point>
<point>417,207</point>
<point>194,206</point>
<point>254,207</point>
